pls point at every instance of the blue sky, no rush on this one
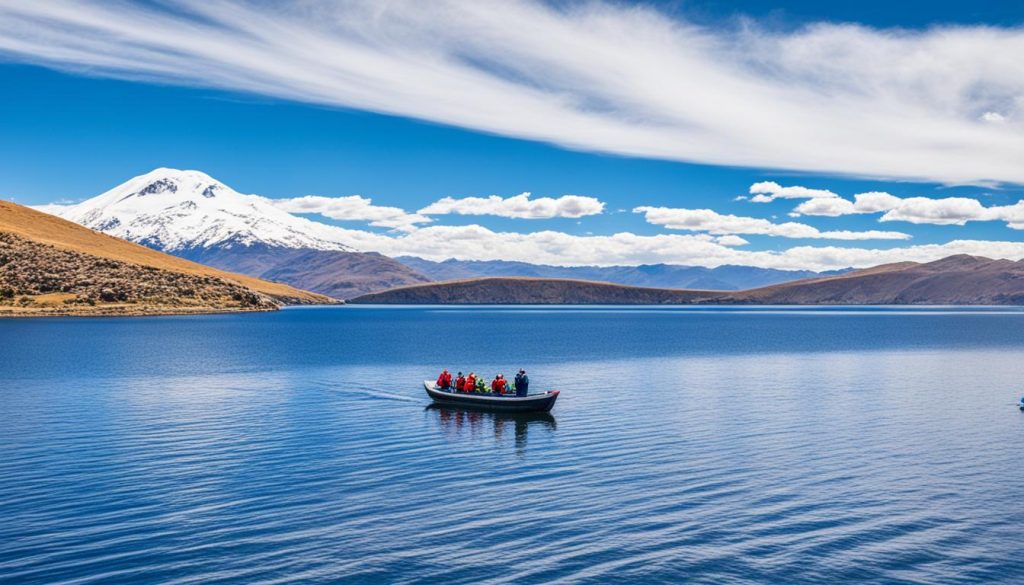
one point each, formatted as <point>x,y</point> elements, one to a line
<point>79,120</point>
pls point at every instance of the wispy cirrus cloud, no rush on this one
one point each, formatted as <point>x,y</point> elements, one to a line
<point>943,104</point>
<point>518,206</point>
<point>712,222</point>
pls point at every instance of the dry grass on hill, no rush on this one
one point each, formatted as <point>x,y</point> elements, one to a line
<point>42,279</point>
<point>48,229</point>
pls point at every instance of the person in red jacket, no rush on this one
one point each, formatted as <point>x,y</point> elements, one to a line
<point>444,381</point>
<point>470,382</point>
<point>498,385</point>
<point>460,383</point>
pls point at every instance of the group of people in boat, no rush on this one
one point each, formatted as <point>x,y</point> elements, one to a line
<point>475,384</point>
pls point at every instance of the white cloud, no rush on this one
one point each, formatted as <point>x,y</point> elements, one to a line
<point>871,202</point>
<point>945,211</point>
<point>600,76</point>
<point>874,202</point>
<point>517,206</point>
<point>824,207</point>
<point>731,241</point>
<point>712,222</point>
<point>993,117</point>
<point>767,191</point>
<point>918,210</point>
<point>475,242</point>
<point>352,208</point>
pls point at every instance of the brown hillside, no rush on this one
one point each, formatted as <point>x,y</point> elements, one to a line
<point>955,280</point>
<point>40,279</point>
<point>47,229</point>
<point>533,291</point>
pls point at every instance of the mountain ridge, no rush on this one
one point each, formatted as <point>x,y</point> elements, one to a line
<point>194,216</point>
<point>954,280</point>
<point>172,209</point>
<point>726,277</point>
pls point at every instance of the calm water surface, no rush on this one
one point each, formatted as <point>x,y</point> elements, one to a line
<point>689,444</point>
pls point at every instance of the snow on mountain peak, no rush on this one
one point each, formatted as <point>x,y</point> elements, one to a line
<point>175,210</point>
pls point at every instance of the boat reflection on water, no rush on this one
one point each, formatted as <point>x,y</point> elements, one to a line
<point>467,423</point>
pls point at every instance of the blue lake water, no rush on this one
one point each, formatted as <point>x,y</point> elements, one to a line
<point>705,445</point>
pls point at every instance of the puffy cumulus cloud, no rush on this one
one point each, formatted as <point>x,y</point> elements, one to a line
<point>918,210</point>
<point>767,191</point>
<point>352,208</point>
<point>824,207</point>
<point>712,222</point>
<point>872,202</point>
<point>518,206</point>
<point>820,258</point>
<point>945,211</point>
<point>598,75</point>
<point>1013,215</point>
<point>475,242</point>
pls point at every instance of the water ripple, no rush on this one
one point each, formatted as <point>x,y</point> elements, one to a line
<point>847,464</point>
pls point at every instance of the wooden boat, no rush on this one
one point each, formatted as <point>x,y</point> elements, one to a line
<point>509,403</point>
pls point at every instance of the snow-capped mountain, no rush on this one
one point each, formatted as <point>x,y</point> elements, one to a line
<point>192,215</point>
<point>175,211</point>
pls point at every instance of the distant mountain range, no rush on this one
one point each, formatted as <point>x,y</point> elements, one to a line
<point>52,266</point>
<point>648,275</point>
<point>194,216</point>
<point>956,280</point>
<point>191,215</point>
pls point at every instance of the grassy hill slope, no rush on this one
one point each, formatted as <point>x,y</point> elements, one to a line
<point>50,265</point>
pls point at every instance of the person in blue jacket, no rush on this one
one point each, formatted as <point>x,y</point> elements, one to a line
<point>523,383</point>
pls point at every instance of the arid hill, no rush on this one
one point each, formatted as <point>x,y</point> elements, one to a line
<point>52,266</point>
<point>533,291</point>
<point>956,280</point>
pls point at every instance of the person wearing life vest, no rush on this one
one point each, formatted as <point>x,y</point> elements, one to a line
<point>444,381</point>
<point>460,383</point>
<point>498,385</point>
<point>481,386</point>
<point>470,383</point>
<point>522,383</point>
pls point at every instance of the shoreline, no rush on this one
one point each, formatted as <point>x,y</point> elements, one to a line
<point>126,312</point>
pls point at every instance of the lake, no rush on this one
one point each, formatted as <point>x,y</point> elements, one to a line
<point>696,444</point>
